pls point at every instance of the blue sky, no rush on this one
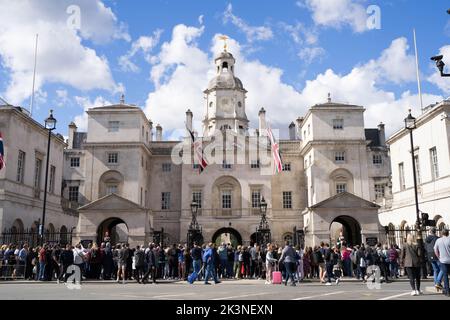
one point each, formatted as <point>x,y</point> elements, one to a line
<point>290,54</point>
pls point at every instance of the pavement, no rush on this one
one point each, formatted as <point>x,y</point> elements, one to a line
<point>226,290</point>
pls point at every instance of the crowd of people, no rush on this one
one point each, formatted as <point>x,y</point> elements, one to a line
<point>154,262</point>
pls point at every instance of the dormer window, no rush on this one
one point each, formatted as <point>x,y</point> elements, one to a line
<point>225,67</point>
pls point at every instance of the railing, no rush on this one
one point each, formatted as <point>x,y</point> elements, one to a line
<point>398,236</point>
<point>31,237</point>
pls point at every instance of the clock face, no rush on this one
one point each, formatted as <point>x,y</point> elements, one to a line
<point>226,105</point>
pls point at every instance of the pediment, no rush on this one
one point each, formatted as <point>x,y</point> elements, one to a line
<point>345,200</point>
<point>111,202</point>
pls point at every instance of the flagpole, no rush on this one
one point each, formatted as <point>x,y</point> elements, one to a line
<point>417,71</point>
<point>34,75</point>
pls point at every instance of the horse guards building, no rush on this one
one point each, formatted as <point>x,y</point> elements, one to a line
<point>123,178</point>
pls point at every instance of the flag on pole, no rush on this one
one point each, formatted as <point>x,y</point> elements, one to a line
<point>2,153</point>
<point>198,151</point>
<point>275,151</point>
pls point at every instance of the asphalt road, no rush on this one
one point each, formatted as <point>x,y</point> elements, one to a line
<point>227,290</point>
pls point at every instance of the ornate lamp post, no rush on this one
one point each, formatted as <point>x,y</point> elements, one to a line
<point>410,124</point>
<point>263,236</point>
<point>195,230</point>
<point>50,125</point>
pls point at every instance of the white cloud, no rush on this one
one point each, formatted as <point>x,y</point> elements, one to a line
<point>435,78</point>
<point>308,54</point>
<point>337,13</point>
<point>86,103</point>
<point>62,57</point>
<point>183,71</point>
<point>201,18</point>
<point>144,44</point>
<point>251,32</point>
<point>62,97</point>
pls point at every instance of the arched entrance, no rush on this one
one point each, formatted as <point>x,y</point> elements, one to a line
<point>227,235</point>
<point>350,228</point>
<point>117,230</point>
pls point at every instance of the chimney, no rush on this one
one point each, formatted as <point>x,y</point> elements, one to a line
<point>382,134</point>
<point>150,124</point>
<point>72,130</point>
<point>299,127</point>
<point>158,132</point>
<point>189,117</point>
<point>292,131</point>
<point>262,122</point>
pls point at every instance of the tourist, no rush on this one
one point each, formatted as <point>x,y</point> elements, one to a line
<point>430,241</point>
<point>321,261</point>
<point>230,261</point>
<point>288,259</point>
<point>66,259</point>
<point>300,272</point>
<point>442,251</point>
<point>151,261</point>
<point>223,254</point>
<point>208,259</point>
<point>107,261</point>
<point>139,263</point>
<point>237,262</point>
<point>42,263</point>
<point>79,257</point>
<point>393,261</point>
<point>270,263</point>
<point>411,262</point>
<point>122,262</point>
<point>196,253</point>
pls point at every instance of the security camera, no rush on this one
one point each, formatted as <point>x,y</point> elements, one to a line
<point>440,65</point>
<point>437,58</point>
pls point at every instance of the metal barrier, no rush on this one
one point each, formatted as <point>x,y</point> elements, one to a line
<point>12,270</point>
<point>31,236</point>
<point>398,236</point>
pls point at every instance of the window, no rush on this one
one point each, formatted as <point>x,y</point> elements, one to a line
<point>142,161</point>
<point>20,166</point>
<point>338,124</point>
<point>112,188</point>
<point>51,187</point>
<point>309,129</point>
<point>197,197</point>
<point>339,156</point>
<point>434,163</point>
<point>256,199</point>
<point>165,200</point>
<point>143,130</point>
<point>142,195</point>
<point>113,126</point>
<point>254,164</point>
<point>37,178</point>
<point>73,193</point>
<point>377,159</point>
<point>74,162</point>
<point>287,200</point>
<point>304,133</point>
<point>401,176</point>
<point>146,136</point>
<point>309,160</point>
<point>196,166</point>
<point>113,158</point>
<point>286,166</point>
<point>226,199</point>
<point>379,191</point>
<point>166,167</point>
<point>226,165</point>
<point>416,160</point>
<point>306,163</point>
<point>341,187</point>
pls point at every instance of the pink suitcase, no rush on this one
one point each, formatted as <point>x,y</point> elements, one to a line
<point>276,276</point>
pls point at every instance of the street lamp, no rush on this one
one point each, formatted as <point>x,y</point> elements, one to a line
<point>263,230</point>
<point>50,125</point>
<point>195,231</point>
<point>410,124</point>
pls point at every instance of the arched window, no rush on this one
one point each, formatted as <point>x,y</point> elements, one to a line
<point>211,104</point>
<point>341,181</point>
<point>391,235</point>
<point>239,104</point>
<point>110,182</point>
<point>288,237</point>
<point>225,66</point>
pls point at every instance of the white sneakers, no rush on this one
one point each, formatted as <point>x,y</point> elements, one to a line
<point>416,293</point>
<point>267,282</point>
<point>328,284</point>
<point>337,281</point>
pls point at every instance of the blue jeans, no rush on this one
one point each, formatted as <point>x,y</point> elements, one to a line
<point>290,271</point>
<point>210,271</point>
<point>436,271</point>
<point>393,268</point>
<point>348,268</point>
<point>197,265</point>
<point>445,267</point>
<point>41,270</point>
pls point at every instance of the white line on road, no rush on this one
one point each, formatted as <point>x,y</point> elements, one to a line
<point>171,295</point>
<point>242,296</point>
<point>396,296</point>
<point>319,295</point>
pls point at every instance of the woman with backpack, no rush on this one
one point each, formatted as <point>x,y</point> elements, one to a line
<point>411,261</point>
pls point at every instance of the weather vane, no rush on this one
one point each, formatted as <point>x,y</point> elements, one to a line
<point>224,38</point>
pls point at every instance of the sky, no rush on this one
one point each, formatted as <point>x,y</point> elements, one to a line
<point>160,54</point>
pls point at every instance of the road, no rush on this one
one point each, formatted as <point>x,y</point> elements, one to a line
<point>227,290</point>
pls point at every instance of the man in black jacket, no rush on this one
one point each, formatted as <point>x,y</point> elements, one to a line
<point>150,259</point>
<point>66,260</point>
<point>431,255</point>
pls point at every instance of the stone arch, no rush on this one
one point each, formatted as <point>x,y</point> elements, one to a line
<point>341,176</point>
<point>51,228</point>
<point>235,236</point>
<point>288,236</point>
<point>17,226</point>
<point>109,226</point>
<point>109,181</point>
<point>351,230</point>
<point>222,185</point>
<point>392,240</point>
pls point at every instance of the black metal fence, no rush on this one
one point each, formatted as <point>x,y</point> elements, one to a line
<point>31,236</point>
<point>398,236</point>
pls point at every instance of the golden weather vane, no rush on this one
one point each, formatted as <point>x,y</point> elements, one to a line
<point>224,38</point>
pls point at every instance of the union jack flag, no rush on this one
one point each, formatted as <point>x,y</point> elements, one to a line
<point>2,153</point>
<point>198,151</point>
<point>275,151</point>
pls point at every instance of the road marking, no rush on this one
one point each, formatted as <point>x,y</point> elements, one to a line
<point>172,295</point>
<point>242,296</point>
<point>396,296</point>
<point>319,295</point>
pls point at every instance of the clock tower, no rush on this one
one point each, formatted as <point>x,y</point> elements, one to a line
<point>225,99</point>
